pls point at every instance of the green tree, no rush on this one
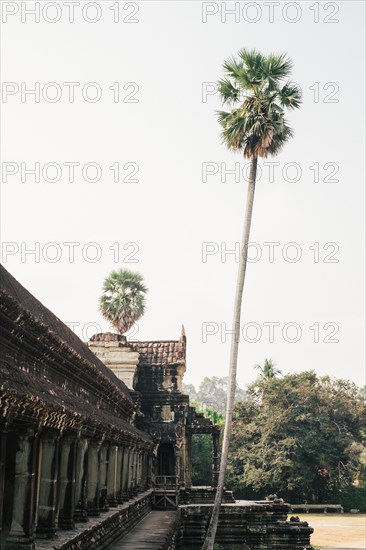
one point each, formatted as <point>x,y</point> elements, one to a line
<point>123,299</point>
<point>257,88</point>
<point>201,466</point>
<point>269,370</point>
<point>300,437</point>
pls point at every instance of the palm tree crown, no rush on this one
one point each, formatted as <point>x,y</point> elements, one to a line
<point>123,299</point>
<point>269,370</point>
<point>256,83</point>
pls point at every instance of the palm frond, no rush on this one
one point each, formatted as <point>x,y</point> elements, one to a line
<point>277,67</point>
<point>233,68</point>
<point>228,92</point>
<point>290,96</point>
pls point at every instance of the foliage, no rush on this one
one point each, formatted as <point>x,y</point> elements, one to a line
<point>123,299</point>
<point>352,497</point>
<point>212,394</point>
<point>257,88</point>
<point>300,437</point>
<point>201,459</point>
<point>268,370</point>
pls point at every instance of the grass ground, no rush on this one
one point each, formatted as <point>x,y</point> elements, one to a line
<point>332,531</point>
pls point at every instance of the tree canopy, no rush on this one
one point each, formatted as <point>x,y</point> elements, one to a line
<point>212,394</point>
<point>258,88</point>
<point>300,436</point>
<point>268,370</point>
<point>123,299</point>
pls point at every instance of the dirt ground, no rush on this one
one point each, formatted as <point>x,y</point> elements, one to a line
<point>337,531</point>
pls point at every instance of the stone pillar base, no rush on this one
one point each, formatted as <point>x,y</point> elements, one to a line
<point>93,512</point>
<point>47,532</point>
<point>19,542</point>
<point>81,515</point>
<point>112,502</point>
<point>66,523</point>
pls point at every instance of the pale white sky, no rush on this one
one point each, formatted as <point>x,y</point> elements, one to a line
<point>163,133</point>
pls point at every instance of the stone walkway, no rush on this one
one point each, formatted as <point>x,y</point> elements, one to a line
<point>152,533</point>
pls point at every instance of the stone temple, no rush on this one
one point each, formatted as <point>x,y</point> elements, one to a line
<point>95,445</point>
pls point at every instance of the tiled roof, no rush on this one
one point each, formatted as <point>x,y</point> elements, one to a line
<point>161,352</point>
<point>37,398</point>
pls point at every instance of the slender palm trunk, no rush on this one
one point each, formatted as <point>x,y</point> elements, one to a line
<point>211,533</point>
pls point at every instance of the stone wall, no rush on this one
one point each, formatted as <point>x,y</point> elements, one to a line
<point>117,355</point>
<point>101,533</point>
<point>69,446</point>
<point>245,525</point>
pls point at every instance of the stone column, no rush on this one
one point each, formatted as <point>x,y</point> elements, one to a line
<point>81,480</point>
<point>149,470</point>
<point>93,478</point>
<point>103,471</point>
<point>144,471</point>
<point>135,472</point>
<point>113,477</point>
<point>186,462</point>
<point>48,470</point>
<point>177,463</point>
<point>121,459</point>
<point>3,437</point>
<point>67,482</point>
<point>126,474</point>
<point>138,458</point>
<point>21,536</point>
<point>141,471</point>
<point>215,457</point>
<point>131,472</point>
<point>131,485</point>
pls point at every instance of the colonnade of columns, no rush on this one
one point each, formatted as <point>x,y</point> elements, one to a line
<point>50,480</point>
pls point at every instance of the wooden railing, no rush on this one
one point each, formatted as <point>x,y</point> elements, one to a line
<point>167,482</point>
<point>166,493</point>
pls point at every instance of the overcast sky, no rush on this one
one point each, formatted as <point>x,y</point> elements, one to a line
<point>143,102</point>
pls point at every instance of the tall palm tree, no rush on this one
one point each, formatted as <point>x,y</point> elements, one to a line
<point>257,88</point>
<point>269,370</point>
<point>123,299</point>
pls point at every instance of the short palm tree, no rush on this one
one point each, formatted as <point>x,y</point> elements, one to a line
<point>123,299</point>
<point>257,89</point>
<point>269,370</point>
